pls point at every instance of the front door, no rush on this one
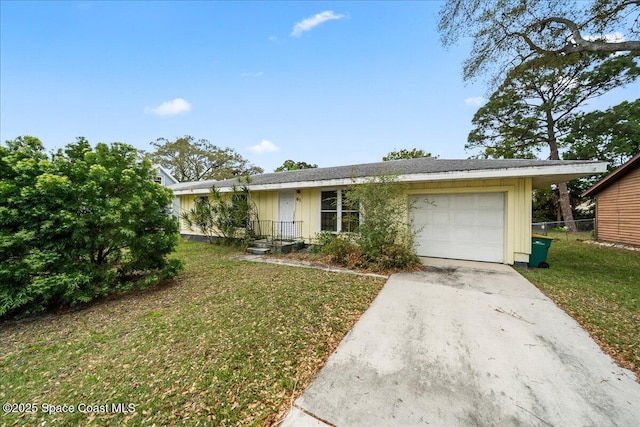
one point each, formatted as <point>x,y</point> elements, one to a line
<point>286,214</point>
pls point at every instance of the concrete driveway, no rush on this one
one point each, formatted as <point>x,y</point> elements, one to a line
<point>467,344</point>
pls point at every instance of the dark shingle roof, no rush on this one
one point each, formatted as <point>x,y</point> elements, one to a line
<point>425,165</point>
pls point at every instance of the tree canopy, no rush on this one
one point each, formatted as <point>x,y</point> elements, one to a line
<point>290,165</point>
<point>537,106</point>
<point>414,153</point>
<point>612,135</point>
<point>78,224</point>
<point>189,159</point>
<point>508,33</point>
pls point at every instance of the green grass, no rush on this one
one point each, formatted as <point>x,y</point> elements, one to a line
<point>600,288</point>
<point>570,237</point>
<point>225,343</point>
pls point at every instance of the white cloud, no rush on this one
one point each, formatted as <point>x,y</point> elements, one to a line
<point>309,23</point>
<point>567,82</point>
<point>265,146</point>
<point>258,74</point>
<point>616,37</point>
<point>474,101</point>
<point>170,108</point>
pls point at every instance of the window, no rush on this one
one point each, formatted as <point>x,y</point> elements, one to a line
<point>337,213</point>
<point>158,179</point>
<point>329,211</point>
<point>350,214</point>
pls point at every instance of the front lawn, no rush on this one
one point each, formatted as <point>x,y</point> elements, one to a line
<point>225,343</point>
<point>600,288</point>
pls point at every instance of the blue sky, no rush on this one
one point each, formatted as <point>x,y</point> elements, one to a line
<point>331,83</point>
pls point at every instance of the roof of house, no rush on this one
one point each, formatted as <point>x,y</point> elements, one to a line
<point>409,170</point>
<point>614,176</point>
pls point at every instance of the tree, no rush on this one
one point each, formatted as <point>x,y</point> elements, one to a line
<point>290,165</point>
<point>534,108</point>
<point>383,235</point>
<point>546,202</point>
<point>612,135</point>
<point>193,160</point>
<point>222,216</point>
<point>415,153</point>
<point>545,205</point>
<point>508,33</point>
<point>78,224</point>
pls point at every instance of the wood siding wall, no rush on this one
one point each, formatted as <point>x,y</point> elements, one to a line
<point>618,211</point>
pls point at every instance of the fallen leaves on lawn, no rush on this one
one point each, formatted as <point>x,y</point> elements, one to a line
<point>225,343</point>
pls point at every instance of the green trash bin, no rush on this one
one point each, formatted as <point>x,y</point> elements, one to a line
<point>539,249</point>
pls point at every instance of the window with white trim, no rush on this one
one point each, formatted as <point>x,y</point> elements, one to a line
<point>337,212</point>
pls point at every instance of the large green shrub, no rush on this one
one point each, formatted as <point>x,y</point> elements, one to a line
<point>78,224</point>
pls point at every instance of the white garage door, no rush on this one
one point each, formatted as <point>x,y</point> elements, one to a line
<point>460,226</point>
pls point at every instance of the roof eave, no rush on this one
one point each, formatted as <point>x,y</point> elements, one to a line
<point>612,177</point>
<point>542,175</point>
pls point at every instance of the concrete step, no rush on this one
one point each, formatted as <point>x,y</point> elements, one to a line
<point>284,247</point>
<point>263,243</point>
<point>258,251</point>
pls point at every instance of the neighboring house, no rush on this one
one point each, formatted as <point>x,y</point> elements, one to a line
<point>164,177</point>
<point>618,204</point>
<point>464,209</point>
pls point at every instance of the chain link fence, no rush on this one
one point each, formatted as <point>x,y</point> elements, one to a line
<point>582,226</point>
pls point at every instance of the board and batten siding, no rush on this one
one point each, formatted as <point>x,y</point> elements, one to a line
<point>517,208</point>
<point>186,204</point>
<point>618,211</point>
<point>306,209</point>
<point>266,203</point>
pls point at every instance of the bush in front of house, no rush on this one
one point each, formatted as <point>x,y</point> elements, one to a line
<point>384,240</point>
<point>78,224</point>
<point>340,249</point>
<point>223,218</point>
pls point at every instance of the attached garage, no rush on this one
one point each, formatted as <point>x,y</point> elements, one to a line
<point>460,226</point>
<point>473,209</point>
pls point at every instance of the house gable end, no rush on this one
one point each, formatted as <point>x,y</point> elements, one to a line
<point>617,207</point>
<point>613,177</point>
